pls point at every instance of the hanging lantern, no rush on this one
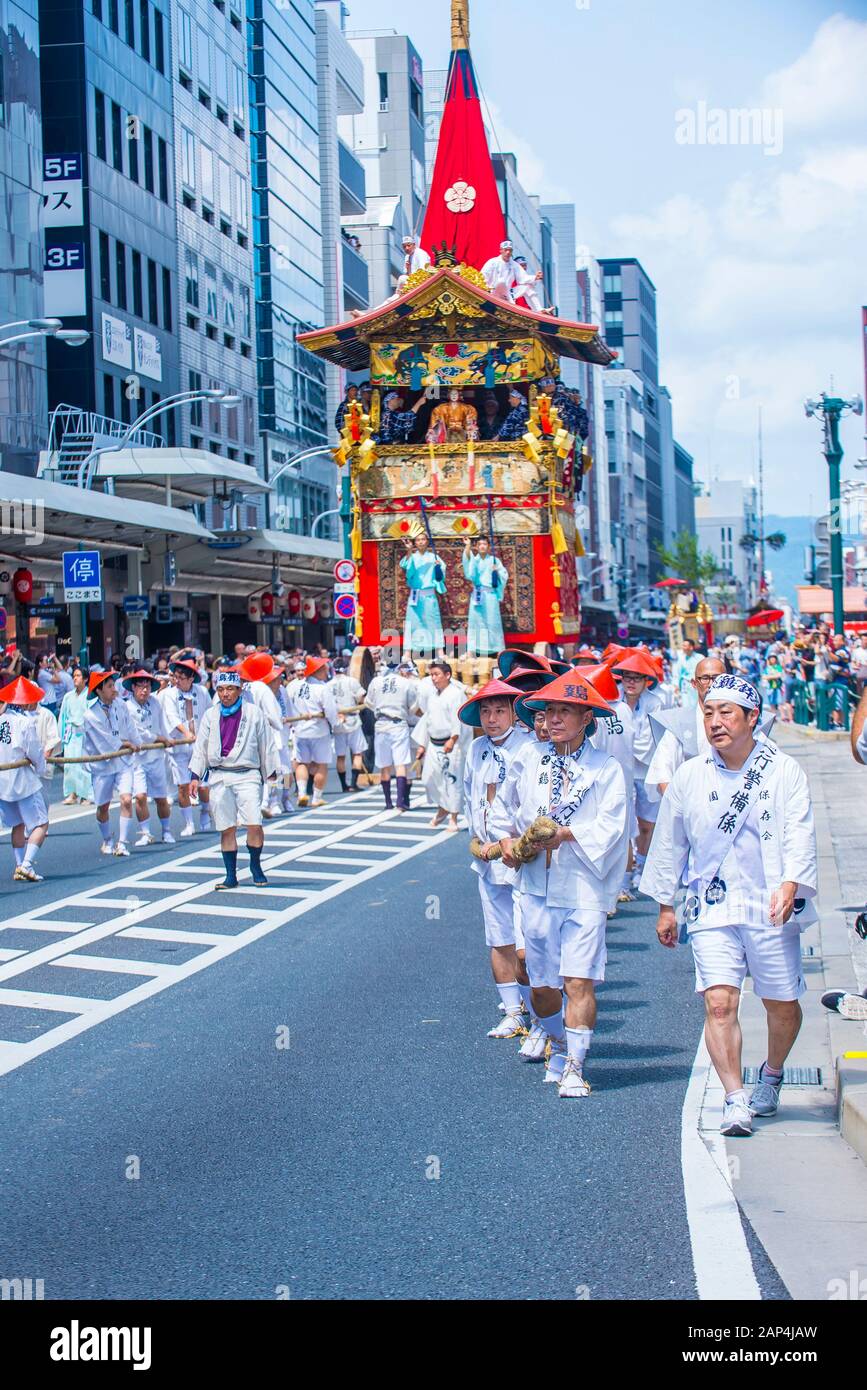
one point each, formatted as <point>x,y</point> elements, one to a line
<point>325,609</point>
<point>308,609</point>
<point>267,602</point>
<point>22,585</point>
<point>293,602</point>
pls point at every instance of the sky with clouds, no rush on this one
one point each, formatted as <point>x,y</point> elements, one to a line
<point>754,235</point>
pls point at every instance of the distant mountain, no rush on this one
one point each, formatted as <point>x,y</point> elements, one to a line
<point>787,565</point>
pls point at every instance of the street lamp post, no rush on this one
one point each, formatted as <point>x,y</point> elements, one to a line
<point>831,409</point>
<point>217,396</point>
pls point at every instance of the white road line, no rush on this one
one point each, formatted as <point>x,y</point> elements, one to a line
<point>114,965</point>
<point>97,1011</point>
<point>720,1255</point>
<point>53,924</point>
<point>222,910</point>
<point>10,955</point>
<point>57,1003</point>
<point>328,859</point>
<point>305,873</point>
<point>186,938</point>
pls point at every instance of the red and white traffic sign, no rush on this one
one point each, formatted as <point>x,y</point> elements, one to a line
<point>344,606</point>
<point>345,571</point>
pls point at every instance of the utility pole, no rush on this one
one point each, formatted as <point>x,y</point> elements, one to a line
<point>761,513</point>
<point>832,409</point>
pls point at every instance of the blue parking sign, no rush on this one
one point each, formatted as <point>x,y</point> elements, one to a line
<point>82,576</point>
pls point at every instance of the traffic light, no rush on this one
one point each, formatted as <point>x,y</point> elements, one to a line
<point>164,608</point>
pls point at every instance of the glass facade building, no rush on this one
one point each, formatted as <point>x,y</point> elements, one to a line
<point>23,382</point>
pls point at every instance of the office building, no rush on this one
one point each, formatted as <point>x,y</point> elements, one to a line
<point>625,427</point>
<point>630,325</point>
<point>112,266</point>
<point>601,539</point>
<point>23,373</point>
<point>724,513</point>
<point>388,135</point>
<point>684,490</point>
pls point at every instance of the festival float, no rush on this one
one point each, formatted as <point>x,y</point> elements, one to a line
<point>461,541</point>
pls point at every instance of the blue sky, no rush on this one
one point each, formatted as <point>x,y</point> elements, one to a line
<point>758,258</point>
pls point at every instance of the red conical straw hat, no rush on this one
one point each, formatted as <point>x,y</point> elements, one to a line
<point>314,664</point>
<point>613,650</point>
<point>569,689</point>
<point>97,678</point>
<point>21,692</point>
<point>638,662</point>
<point>127,681</point>
<point>189,666</point>
<point>470,712</point>
<point>259,667</point>
<point>601,679</point>
<point>585,655</point>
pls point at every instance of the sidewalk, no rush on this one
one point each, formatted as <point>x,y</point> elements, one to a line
<point>799,1182</point>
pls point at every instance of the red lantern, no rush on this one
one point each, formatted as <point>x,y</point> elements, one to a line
<point>308,609</point>
<point>293,601</point>
<point>22,585</point>
<point>267,602</point>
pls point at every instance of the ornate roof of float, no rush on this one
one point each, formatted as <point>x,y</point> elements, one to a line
<point>452,304</point>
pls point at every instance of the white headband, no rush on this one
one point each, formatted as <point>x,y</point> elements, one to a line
<point>734,691</point>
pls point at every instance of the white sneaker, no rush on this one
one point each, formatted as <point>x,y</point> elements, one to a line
<point>737,1120</point>
<point>555,1060</point>
<point>509,1026</point>
<point>106,847</point>
<point>145,838</point>
<point>120,850</point>
<point>168,838</point>
<point>574,1085</point>
<point>534,1046</point>
<point>188,832</point>
<point>765,1098</point>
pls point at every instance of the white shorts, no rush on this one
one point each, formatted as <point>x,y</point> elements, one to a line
<point>355,741</point>
<point>561,941</point>
<point>150,779</point>
<point>110,784</point>
<point>645,809</point>
<point>29,811</point>
<point>237,803</point>
<point>314,750</point>
<point>180,764</point>
<point>501,913</point>
<point>391,747</point>
<point>772,956</point>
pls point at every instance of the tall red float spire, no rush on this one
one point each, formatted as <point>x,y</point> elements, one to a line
<point>463,207</point>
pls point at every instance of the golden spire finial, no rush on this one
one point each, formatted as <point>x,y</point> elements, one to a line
<point>460,24</point>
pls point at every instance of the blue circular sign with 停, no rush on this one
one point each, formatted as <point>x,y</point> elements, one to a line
<point>344,606</point>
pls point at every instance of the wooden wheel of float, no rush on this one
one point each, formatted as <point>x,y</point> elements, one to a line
<point>362,666</point>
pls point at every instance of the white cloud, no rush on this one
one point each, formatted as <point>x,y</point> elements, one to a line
<point>826,86</point>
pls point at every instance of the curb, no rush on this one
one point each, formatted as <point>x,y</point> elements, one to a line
<point>852,1103</point>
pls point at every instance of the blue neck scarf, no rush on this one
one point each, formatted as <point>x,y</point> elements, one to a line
<point>233,709</point>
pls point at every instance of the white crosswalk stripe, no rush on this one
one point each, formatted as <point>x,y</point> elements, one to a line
<point>358,838</point>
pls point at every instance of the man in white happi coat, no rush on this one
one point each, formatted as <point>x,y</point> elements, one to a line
<point>679,733</point>
<point>566,889</point>
<point>22,802</point>
<point>489,761</point>
<point>349,737</point>
<point>264,679</point>
<point>414,257</point>
<point>184,703</point>
<point>150,772</point>
<point>445,741</point>
<point>311,698</point>
<point>109,729</point>
<point>235,748</point>
<point>502,276</point>
<point>736,830</point>
<point>393,700</point>
<point>638,678</point>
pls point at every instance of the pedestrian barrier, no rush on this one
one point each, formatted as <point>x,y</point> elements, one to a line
<point>802,706</point>
<point>831,699</point>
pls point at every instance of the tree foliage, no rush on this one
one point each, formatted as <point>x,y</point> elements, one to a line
<point>685,561</point>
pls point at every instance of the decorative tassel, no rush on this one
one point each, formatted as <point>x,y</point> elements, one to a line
<point>558,539</point>
<point>579,544</point>
<point>556,620</point>
<point>555,572</point>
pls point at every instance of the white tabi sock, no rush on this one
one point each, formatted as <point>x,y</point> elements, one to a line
<point>578,1043</point>
<point>553,1025</point>
<point>144,826</point>
<point>30,854</point>
<point>124,827</point>
<point>510,995</point>
<point>640,860</point>
<point>204,813</point>
<point>19,855</point>
<point>105,830</point>
<point>187,813</point>
<point>525,995</point>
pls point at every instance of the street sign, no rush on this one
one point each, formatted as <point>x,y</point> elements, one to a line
<point>272,619</point>
<point>82,576</point>
<point>345,571</point>
<point>622,631</point>
<point>136,603</point>
<point>344,588</point>
<point>344,606</point>
<point>46,610</point>
<point>5,576</point>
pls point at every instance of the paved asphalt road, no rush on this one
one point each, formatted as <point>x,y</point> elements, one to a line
<point>311,1168</point>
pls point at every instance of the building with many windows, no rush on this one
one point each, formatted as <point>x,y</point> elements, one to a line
<point>107,115</point>
<point>625,427</point>
<point>724,513</point>
<point>23,374</point>
<point>684,490</point>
